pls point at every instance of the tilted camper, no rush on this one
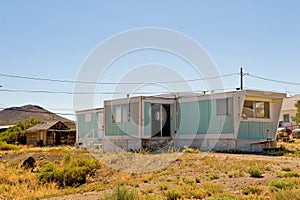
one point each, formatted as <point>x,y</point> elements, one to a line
<point>242,120</point>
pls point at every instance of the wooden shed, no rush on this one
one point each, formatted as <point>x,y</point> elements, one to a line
<point>51,133</point>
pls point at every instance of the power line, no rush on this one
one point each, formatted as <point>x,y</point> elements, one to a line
<point>103,93</point>
<point>110,83</point>
<point>273,80</point>
<point>71,93</point>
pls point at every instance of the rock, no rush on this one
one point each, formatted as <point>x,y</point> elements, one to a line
<point>0,156</point>
<point>28,163</point>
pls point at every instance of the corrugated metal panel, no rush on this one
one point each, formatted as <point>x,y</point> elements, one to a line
<point>200,118</point>
<point>205,114</point>
<point>189,118</point>
<point>124,128</point>
<point>254,130</point>
<point>243,131</point>
<point>89,128</point>
<point>147,119</point>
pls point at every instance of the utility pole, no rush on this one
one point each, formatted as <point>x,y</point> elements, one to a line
<point>241,76</point>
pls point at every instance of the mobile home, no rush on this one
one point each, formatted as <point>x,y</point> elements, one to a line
<point>244,120</point>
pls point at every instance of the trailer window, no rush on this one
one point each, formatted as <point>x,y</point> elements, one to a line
<point>121,113</point>
<point>256,109</point>
<point>286,118</point>
<point>222,107</point>
<point>88,117</point>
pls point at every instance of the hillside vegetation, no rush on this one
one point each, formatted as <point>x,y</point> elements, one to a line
<point>17,133</point>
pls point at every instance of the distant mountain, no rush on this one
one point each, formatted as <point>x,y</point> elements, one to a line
<point>10,116</point>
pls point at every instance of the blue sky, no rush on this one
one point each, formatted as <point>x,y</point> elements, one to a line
<point>51,39</point>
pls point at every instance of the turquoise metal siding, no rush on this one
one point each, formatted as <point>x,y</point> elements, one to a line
<point>87,129</point>
<point>188,118</point>
<point>254,130</point>
<point>205,115</point>
<point>147,119</point>
<point>125,128</point>
<point>200,117</point>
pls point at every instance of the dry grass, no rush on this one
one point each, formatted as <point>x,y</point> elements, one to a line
<point>175,175</point>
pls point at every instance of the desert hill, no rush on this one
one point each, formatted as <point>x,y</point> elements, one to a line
<point>10,116</point>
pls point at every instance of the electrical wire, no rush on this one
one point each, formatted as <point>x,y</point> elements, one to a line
<point>273,80</point>
<point>105,93</point>
<point>111,83</point>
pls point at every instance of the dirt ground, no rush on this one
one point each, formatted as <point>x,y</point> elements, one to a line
<point>233,185</point>
<point>147,174</point>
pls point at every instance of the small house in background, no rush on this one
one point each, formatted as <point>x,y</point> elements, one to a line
<point>90,127</point>
<point>288,111</point>
<point>243,120</point>
<point>5,127</point>
<point>51,133</point>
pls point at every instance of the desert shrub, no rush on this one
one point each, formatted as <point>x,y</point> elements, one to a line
<point>280,184</point>
<point>212,188</point>
<point>71,173</point>
<point>268,168</point>
<point>251,190</point>
<point>291,174</point>
<point>173,195</point>
<point>212,176</point>
<point>187,149</point>
<point>5,147</point>
<point>121,193</point>
<point>49,173</point>
<point>197,179</point>
<point>254,172</point>
<point>279,174</point>
<point>223,197</point>
<point>163,186</point>
<point>235,174</point>
<point>188,181</point>
<point>193,192</point>
<point>286,168</point>
<point>287,195</point>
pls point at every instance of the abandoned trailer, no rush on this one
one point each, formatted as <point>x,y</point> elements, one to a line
<point>242,120</point>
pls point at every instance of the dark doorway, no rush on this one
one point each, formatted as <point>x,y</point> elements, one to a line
<point>160,120</point>
<point>57,138</point>
<point>166,130</point>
